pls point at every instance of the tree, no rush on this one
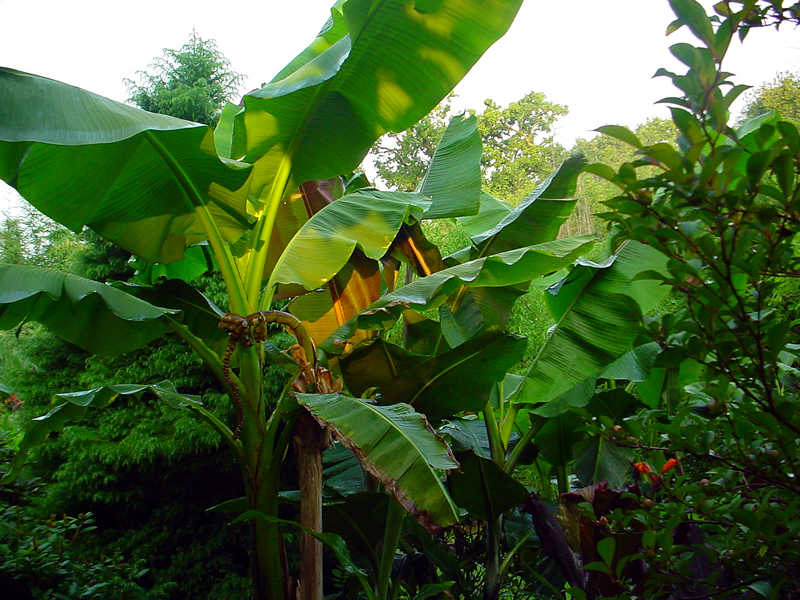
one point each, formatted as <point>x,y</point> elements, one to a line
<point>192,82</point>
<point>782,95</point>
<point>174,185</point>
<point>12,244</point>
<point>518,148</point>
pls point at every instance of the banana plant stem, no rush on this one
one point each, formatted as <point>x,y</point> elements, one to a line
<point>495,443</point>
<point>263,235</point>
<point>222,252</point>
<point>395,515</point>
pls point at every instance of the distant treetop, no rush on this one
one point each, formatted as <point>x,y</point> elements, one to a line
<point>192,82</point>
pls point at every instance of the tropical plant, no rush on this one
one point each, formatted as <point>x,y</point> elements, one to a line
<point>713,512</point>
<point>163,189</point>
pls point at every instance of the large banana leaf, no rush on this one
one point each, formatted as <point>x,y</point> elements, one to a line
<point>598,310</point>
<point>452,184</point>
<point>97,317</point>
<point>380,65</point>
<point>397,446</point>
<point>76,404</point>
<point>499,270</point>
<point>453,180</point>
<point>367,219</point>
<point>353,288</point>
<point>197,311</point>
<point>484,489</point>
<point>537,219</point>
<point>440,386</point>
<point>85,160</point>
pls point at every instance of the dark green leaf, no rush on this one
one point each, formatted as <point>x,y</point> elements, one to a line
<point>598,460</point>
<point>484,489</point>
<point>92,315</point>
<point>458,380</point>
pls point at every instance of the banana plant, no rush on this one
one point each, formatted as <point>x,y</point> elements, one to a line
<point>597,308</point>
<point>264,193</point>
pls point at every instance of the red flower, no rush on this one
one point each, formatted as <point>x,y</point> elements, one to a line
<point>642,467</point>
<point>669,464</point>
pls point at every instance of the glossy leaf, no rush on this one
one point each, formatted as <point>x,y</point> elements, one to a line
<point>397,446</point>
<point>598,310</point>
<point>350,291</point>
<point>97,317</point>
<point>85,160</point>
<point>367,220</point>
<point>377,66</point>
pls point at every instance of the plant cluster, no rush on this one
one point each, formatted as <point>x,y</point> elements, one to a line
<point>648,448</point>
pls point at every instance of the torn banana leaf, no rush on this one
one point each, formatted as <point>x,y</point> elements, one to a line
<point>397,446</point>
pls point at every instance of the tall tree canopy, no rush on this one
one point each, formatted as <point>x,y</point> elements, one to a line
<point>192,82</point>
<point>782,94</point>
<point>518,145</point>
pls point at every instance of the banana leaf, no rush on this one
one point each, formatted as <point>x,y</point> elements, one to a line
<point>197,311</point>
<point>94,316</point>
<point>367,219</point>
<point>484,489</point>
<point>395,445</point>
<point>85,160</point>
<point>598,310</point>
<point>598,459</point>
<point>377,66</point>
<point>537,219</point>
<point>453,179</point>
<point>452,182</point>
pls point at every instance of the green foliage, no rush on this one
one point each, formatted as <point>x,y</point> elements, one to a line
<point>192,82</point>
<point>613,152</point>
<point>723,208</point>
<point>43,560</point>
<point>518,146</point>
<point>782,94</point>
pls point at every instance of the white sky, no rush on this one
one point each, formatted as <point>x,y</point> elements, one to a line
<point>595,56</point>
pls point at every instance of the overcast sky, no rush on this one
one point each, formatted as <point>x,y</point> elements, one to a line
<point>595,56</point>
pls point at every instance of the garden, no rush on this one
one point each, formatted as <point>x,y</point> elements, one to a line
<point>336,340</point>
